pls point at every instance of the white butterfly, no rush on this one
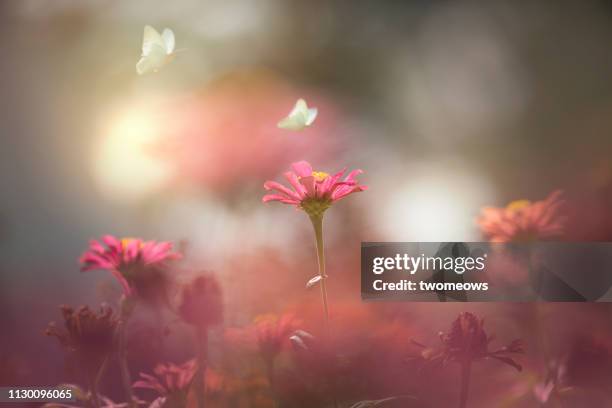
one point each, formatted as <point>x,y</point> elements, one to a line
<point>157,50</point>
<point>300,117</point>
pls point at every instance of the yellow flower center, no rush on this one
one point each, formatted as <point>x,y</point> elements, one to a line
<point>319,175</point>
<point>126,241</point>
<point>518,205</point>
<point>265,318</point>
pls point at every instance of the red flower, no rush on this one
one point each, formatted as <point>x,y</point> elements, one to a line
<point>523,220</point>
<point>126,258</point>
<point>313,191</point>
<point>467,341</point>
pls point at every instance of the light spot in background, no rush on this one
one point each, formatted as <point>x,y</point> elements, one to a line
<point>123,168</point>
<point>435,202</point>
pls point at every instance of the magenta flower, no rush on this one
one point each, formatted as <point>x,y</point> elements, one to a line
<point>170,380</point>
<point>522,220</point>
<point>313,191</point>
<point>124,258</point>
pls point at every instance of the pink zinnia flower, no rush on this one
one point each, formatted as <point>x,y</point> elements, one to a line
<point>124,258</point>
<point>523,220</point>
<point>169,379</point>
<point>313,191</point>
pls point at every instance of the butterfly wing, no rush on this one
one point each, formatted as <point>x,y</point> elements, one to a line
<point>169,41</point>
<point>153,61</point>
<point>300,106</point>
<point>311,116</point>
<point>296,120</point>
<point>151,39</point>
<point>292,123</point>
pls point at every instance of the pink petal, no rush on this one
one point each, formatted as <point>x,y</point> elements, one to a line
<point>113,243</point>
<point>344,191</point>
<point>293,179</point>
<point>273,185</point>
<point>278,197</point>
<point>309,184</point>
<point>95,246</point>
<point>302,168</point>
<point>351,176</point>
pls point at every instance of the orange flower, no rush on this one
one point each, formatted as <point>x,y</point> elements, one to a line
<point>523,220</point>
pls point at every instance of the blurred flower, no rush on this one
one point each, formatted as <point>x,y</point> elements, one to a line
<point>170,381</point>
<point>90,335</point>
<point>313,191</point>
<point>201,306</point>
<point>268,334</point>
<point>272,332</point>
<point>467,340</point>
<point>201,302</point>
<point>466,343</point>
<point>136,264</point>
<point>523,220</point>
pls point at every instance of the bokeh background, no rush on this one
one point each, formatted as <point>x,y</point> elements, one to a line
<point>447,107</point>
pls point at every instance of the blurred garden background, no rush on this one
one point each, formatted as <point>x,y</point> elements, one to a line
<point>447,106</point>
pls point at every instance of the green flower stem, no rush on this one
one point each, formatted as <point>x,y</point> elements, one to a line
<point>202,356</point>
<point>317,223</point>
<point>466,368</point>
